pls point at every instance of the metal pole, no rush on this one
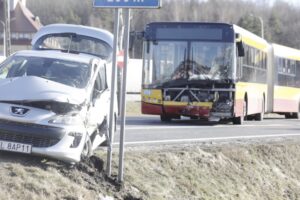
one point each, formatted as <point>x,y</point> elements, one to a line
<point>113,92</point>
<point>4,41</point>
<point>123,103</point>
<point>7,27</point>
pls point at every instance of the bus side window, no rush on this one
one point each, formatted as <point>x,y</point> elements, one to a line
<point>241,49</point>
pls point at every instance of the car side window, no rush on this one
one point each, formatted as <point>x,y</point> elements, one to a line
<point>103,78</point>
<point>100,83</point>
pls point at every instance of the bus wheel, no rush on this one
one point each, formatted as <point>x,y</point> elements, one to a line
<point>240,120</point>
<point>165,118</point>
<point>260,116</point>
<point>297,115</point>
<point>288,115</point>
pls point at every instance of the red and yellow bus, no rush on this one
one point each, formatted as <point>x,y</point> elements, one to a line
<point>214,71</point>
<point>285,81</point>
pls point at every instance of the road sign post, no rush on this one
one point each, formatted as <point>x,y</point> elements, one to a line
<point>112,93</point>
<point>128,4</point>
<point>123,96</point>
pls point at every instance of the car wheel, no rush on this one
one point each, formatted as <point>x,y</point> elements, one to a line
<point>87,149</point>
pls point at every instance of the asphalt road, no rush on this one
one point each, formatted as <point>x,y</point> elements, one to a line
<point>145,130</point>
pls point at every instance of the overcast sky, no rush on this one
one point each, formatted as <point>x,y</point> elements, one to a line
<point>294,2</point>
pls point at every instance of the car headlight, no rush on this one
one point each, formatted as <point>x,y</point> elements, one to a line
<point>72,119</point>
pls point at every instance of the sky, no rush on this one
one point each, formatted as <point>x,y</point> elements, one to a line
<point>294,2</point>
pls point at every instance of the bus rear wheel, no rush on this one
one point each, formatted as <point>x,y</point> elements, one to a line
<point>260,116</point>
<point>295,115</point>
<point>289,115</point>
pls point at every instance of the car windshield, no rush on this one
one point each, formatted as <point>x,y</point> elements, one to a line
<point>67,72</point>
<point>75,43</point>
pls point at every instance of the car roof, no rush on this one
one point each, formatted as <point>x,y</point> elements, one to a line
<point>97,33</point>
<point>83,58</point>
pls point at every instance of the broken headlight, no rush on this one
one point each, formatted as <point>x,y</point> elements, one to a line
<point>70,119</point>
<point>77,139</point>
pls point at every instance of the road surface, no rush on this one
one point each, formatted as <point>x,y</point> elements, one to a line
<point>143,130</point>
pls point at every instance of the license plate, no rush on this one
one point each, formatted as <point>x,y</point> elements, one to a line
<point>15,147</point>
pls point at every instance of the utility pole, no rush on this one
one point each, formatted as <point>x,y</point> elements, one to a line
<point>6,12</point>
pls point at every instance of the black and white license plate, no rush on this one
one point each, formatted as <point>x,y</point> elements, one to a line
<point>15,147</point>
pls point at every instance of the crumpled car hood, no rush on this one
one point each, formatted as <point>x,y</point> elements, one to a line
<point>31,88</point>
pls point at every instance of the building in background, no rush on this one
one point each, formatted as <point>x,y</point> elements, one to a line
<point>23,25</point>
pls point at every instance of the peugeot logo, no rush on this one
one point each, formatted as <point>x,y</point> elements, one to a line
<point>19,111</point>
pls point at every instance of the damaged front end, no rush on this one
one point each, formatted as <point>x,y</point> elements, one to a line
<point>210,101</point>
<point>48,128</point>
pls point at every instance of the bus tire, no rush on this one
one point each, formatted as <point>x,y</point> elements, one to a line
<point>296,115</point>
<point>288,115</point>
<point>260,116</point>
<point>240,120</point>
<point>165,118</point>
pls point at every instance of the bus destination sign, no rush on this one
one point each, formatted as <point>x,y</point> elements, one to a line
<point>127,3</point>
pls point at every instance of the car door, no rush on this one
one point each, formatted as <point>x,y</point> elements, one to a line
<point>100,100</point>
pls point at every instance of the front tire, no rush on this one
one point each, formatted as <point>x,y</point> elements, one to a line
<point>165,118</point>
<point>240,120</point>
<point>87,150</point>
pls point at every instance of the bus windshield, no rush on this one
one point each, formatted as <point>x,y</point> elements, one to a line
<point>167,61</point>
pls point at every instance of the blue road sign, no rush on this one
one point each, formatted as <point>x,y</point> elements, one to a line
<point>127,3</point>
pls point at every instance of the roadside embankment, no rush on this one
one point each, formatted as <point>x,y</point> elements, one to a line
<point>257,169</point>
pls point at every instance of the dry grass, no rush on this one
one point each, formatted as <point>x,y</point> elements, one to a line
<point>248,171</point>
<point>133,108</point>
<point>256,170</point>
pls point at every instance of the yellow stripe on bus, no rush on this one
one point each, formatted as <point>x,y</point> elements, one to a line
<point>199,104</point>
<point>250,88</point>
<point>174,103</point>
<point>203,104</point>
<point>253,43</point>
<point>153,96</point>
<point>281,92</point>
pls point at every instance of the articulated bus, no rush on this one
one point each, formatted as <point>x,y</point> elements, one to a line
<point>215,71</point>
<point>285,81</point>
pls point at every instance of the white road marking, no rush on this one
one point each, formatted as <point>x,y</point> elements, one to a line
<point>207,139</point>
<point>205,126</point>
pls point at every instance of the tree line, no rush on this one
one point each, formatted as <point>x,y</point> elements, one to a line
<point>281,20</point>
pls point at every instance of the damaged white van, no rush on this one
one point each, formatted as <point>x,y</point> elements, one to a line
<point>55,101</point>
